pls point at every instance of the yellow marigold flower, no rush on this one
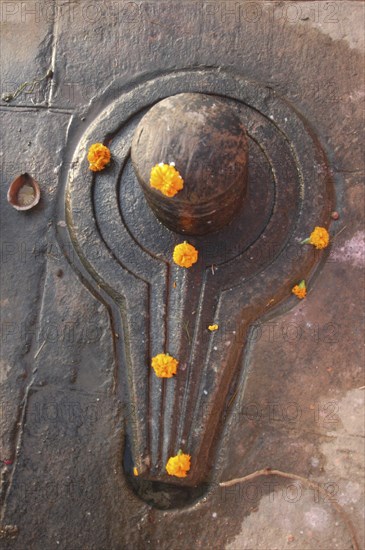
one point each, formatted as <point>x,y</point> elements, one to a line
<point>319,238</point>
<point>212,327</point>
<point>166,179</point>
<point>98,157</point>
<point>300,290</point>
<point>185,254</point>
<point>135,471</point>
<point>178,465</point>
<point>164,365</point>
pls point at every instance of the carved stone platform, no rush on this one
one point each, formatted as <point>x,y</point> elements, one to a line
<point>124,255</point>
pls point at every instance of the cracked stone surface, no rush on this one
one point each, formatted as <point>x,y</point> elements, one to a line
<point>301,411</point>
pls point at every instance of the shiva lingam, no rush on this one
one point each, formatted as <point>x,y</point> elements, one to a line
<point>255,183</point>
<point>204,138</point>
<point>208,143</point>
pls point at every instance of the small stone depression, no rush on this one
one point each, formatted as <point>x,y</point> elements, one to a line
<point>159,494</point>
<point>24,192</point>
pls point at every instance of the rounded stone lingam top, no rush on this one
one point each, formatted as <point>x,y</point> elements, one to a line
<point>207,142</point>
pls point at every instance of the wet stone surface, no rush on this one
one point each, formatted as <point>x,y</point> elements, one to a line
<point>207,142</point>
<point>163,308</point>
<point>63,413</point>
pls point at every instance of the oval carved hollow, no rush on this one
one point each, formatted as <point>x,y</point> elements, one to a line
<point>24,193</point>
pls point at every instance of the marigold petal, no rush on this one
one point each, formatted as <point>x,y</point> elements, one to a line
<point>319,237</point>
<point>166,179</point>
<point>164,365</point>
<point>98,156</point>
<point>185,255</point>
<point>300,291</point>
<point>178,465</point>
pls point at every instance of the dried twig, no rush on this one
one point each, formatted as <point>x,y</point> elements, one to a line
<point>339,233</point>
<point>186,327</point>
<point>40,349</point>
<point>26,88</point>
<point>232,399</point>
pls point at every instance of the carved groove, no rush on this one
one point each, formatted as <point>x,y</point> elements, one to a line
<point>127,252</point>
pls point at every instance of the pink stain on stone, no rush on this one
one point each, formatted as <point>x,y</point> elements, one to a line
<point>353,251</point>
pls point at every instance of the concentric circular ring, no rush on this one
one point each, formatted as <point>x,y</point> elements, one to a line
<point>242,271</point>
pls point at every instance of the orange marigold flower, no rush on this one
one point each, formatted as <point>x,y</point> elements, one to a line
<point>178,465</point>
<point>98,157</point>
<point>164,365</point>
<point>212,327</point>
<point>166,179</point>
<point>300,290</point>
<point>319,238</point>
<point>185,254</point>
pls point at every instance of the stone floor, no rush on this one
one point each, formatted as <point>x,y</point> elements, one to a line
<point>302,408</point>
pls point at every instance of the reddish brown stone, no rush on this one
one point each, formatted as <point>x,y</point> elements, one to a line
<point>207,142</point>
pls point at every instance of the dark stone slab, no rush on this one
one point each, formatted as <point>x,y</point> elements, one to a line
<point>26,52</point>
<point>321,76</point>
<point>25,247</point>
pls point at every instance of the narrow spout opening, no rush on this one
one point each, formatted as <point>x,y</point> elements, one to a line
<point>159,494</point>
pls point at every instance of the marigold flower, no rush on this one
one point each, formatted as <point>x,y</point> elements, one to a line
<point>178,465</point>
<point>300,290</point>
<point>135,471</point>
<point>164,365</point>
<point>318,238</point>
<point>212,327</point>
<point>98,157</point>
<point>166,179</point>
<point>185,254</point>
